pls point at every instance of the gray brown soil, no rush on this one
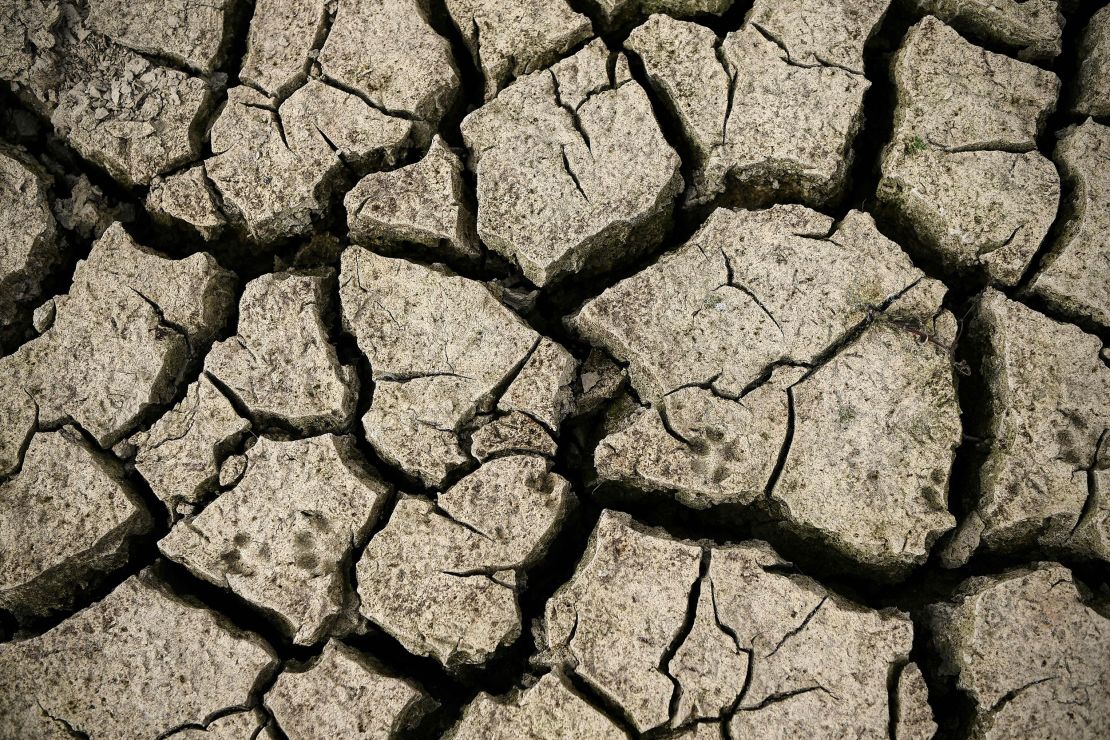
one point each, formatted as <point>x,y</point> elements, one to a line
<point>666,369</point>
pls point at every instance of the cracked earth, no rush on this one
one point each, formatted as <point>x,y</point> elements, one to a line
<point>692,369</point>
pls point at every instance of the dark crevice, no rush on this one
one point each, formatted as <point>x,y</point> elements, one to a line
<point>801,626</point>
<point>893,679</point>
<point>879,102</point>
<point>684,631</point>
<point>613,711</point>
<point>783,696</point>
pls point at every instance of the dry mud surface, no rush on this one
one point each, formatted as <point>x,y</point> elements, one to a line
<point>693,369</point>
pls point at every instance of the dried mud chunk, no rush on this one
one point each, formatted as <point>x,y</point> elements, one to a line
<point>709,667</point>
<point>549,709</point>
<point>875,434</point>
<point>826,32</point>
<point>574,174</point>
<point>514,433</point>
<point>343,694</point>
<point>29,243</point>
<point>1034,28</point>
<point>615,12</point>
<point>26,32</point>
<point>43,316</point>
<point>962,167</point>
<point>666,630</point>
<point>117,109</point>
<point>281,365</point>
<point>705,448</point>
<point>279,44</point>
<point>188,32</point>
<point>1048,405</point>
<point>542,388</point>
<point>141,126</point>
<point>135,320</point>
<point>422,204</point>
<point>820,663</point>
<point>440,348</point>
<point>749,289</point>
<point>411,70</point>
<point>1093,96</point>
<point>1029,653</point>
<point>616,618</point>
<point>706,323</point>
<point>758,122</point>
<point>1075,276</point>
<point>914,719</point>
<point>138,663</point>
<point>276,169</point>
<point>65,517</point>
<point>279,539</point>
<point>511,38</point>
<point>180,455</point>
<point>187,197</point>
<point>442,578</point>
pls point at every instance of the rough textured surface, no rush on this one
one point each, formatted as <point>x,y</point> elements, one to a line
<point>136,319</point>
<point>773,108</point>
<point>666,630</point>
<point>1093,95</point>
<point>1033,28</point>
<point>1075,276</point>
<point>511,38</point>
<point>276,168</point>
<point>549,709</point>
<point>829,33</point>
<point>513,433</point>
<point>1047,415</point>
<point>29,240</point>
<point>138,663</point>
<point>443,286</point>
<point>614,620</point>
<point>440,348</point>
<point>914,719</point>
<point>962,167</point>
<point>875,434</point>
<point>574,174</point>
<point>754,290</point>
<point>703,447</point>
<point>282,35</point>
<point>187,198</point>
<point>423,204</point>
<point>442,577</point>
<point>1029,654</point>
<point>126,114</point>
<point>189,33</point>
<point>542,388</point>
<point>342,694</point>
<point>748,290</point>
<point>281,365</point>
<point>180,455</point>
<point>282,536</point>
<point>614,12</point>
<point>411,70</point>
<point>66,517</point>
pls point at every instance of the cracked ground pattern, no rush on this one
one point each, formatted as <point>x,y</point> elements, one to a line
<point>678,369</point>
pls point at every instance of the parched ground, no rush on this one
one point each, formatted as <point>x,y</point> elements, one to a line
<point>692,369</point>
